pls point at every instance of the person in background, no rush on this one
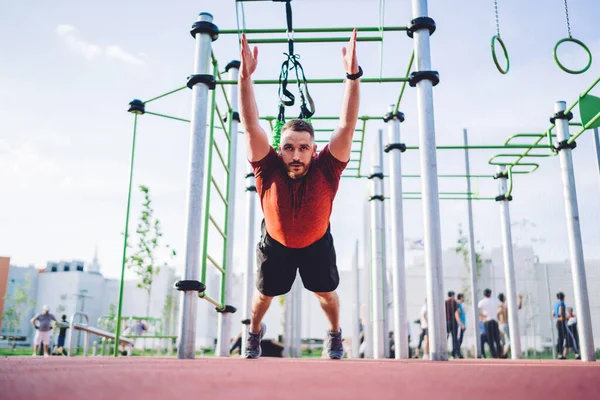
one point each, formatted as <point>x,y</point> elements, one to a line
<point>483,336</point>
<point>62,334</point>
<point>560,313</point>
<point>503,322</point>
<point>42,333</point>
<point>451,323</point>
<point>461,319</point>
<point>572,333</point>
<point>423,339</point>
<point>488,309</point>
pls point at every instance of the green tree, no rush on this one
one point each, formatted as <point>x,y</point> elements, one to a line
<point>144,261</point>
<point>462,247</point>
<point>169,312</point>
<point>16,305</point>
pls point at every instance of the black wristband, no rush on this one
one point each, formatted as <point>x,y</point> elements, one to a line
<point>355,76</point>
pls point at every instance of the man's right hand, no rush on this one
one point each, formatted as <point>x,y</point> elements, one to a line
<point>249,59</point>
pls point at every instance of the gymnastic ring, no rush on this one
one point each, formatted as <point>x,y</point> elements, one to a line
<point>499,40</point>
<point>582,45</point>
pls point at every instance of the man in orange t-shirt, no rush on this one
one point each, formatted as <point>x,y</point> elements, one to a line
<point>296,187</point>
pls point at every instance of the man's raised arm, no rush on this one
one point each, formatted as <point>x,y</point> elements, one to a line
<point>340,144</point>
<point>258,142</point>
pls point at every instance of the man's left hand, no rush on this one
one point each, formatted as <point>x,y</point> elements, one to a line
<point>349,55</point>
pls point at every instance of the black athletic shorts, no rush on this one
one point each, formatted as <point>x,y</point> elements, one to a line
<point>277,265</point>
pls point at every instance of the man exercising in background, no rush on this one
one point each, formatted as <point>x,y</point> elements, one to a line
<point>296,189</point>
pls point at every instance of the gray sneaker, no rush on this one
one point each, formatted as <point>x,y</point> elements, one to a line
<point>253,349</point>
<point>335,348</point>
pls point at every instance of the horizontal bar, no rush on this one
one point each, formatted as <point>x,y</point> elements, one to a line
<point>167,116</point>
<point>327,118</point>
<point>166,94</point>
<point>212,178</point>
<point>333,130</point>
<point>216,265</point>
<point>211,300</point>
<point>316,81</point>
<point>327,141</point>
<point>150,337</point>
<point>217,226</point>
<point>314,30</point>
<point>485,147</point>
<point>441,193</point>
<point>315,40</point>
<point>453,198</point>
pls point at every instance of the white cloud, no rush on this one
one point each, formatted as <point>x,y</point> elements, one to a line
<point>90,50</point>
<point>120,54</point>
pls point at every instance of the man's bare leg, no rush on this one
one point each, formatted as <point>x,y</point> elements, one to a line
<point>330,303</point>
<point>46,350</point>
<point>260,305</point>
<point>35,349</point>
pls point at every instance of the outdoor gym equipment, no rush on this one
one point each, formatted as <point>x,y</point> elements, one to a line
<point>571,39</point>
<point>497,38</point>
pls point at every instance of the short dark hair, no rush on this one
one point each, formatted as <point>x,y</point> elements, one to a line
<point>64,317</point>
<point>487,292</point>
<point>560,295</point>
<point>459,296</point>
<point>450,293</point>
<point>299,125</point>
<point>501,297</point>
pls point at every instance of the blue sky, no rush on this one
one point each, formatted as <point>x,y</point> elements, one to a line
<point>69,69</point>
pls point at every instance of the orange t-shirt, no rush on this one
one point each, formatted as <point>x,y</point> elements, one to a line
<point>297,211</point>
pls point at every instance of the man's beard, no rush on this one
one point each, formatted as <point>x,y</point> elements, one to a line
<point>299,174</point>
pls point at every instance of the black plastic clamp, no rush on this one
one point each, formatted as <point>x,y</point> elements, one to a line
<point>377,197</point>
<point>137,107</point>
<point>421,23</point>
<point>249,174</point>
<point>499,175</point>
<point>503,197</point>
<point>233,64</point>
<point>236,116</point>
<point>392,146</point>
<point>251,189</point>
<point>565,145</point>
<point>190,286</point>
<point>205,27</point>
<point>418,76</point>
<point>376,175</point>
<point>561,115</point>
<point>390,116</point>
<point>207,79</point>
<point>228,309</point>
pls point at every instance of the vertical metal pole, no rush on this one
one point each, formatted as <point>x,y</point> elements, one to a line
<point>248,288</point>
<point>398,264</point>
<point>429,182</point>
<point>549,312</point>
<point>376,262</point>
<point>287,324</point>
<point>509,268</point>
<point>124,259</point>
<point>368,287</point>
<point>472,257</point>
<point>194,215</point>
<point>597,146</point>
<point>385,303</point>
<point>584,321</point>
<point>298,319</point>
<point>224,319</point>
<point>355,304</point>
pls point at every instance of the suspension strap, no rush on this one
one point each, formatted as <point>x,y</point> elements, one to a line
<point>292,61</point>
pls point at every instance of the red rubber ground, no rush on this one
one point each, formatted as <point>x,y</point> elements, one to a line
<point>141,378</point>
